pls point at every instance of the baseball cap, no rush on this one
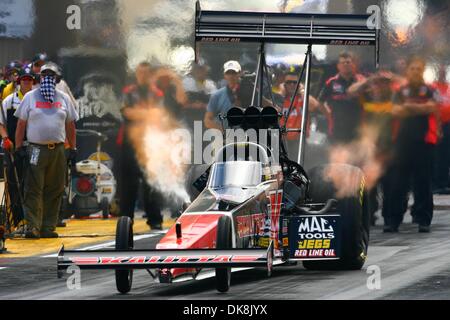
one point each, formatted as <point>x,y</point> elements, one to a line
<point>52,67</point>
<point>232,65</point>
<point>26,73</point>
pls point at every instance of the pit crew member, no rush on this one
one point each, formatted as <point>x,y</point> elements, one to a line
<point>416,108</point>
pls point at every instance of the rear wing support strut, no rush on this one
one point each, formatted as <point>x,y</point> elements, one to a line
<point>305,111</point>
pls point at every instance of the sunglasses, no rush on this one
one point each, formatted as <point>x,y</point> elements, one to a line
<point>291,82</point>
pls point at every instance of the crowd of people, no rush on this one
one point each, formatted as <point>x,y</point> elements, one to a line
<point>38,130</point>
<point>410,116</point>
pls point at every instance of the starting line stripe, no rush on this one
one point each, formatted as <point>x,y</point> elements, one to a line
<point>111,243</point>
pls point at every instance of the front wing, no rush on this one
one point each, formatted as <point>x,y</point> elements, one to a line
<point>164,259</point>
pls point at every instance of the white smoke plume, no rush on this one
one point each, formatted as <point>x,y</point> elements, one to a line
<point>362,153</point>
<point>152,136</point>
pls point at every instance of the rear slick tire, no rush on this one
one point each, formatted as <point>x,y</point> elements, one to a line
<point>355,218</point>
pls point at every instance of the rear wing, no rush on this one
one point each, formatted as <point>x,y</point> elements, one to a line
<point>288,28</point>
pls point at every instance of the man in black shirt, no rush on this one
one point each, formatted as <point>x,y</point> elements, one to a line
<point>415,107</point>
<point>345,108</point>
<point>131,175</point>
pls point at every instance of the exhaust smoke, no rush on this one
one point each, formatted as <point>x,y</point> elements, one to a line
<point>152,137</point>
<point>363,153</point>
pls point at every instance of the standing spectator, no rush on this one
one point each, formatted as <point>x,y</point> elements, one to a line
<point>8,125</point>
<point>415,106</point>
<point>12,74</point>
<point>131,175</point>
<point>375,94</point>
<point>345,108</point>
<point>199,90</point>
<point>10,104</point>
<point>398,81</point>
<point>295,118</point>
<point>225,98</point>
<point>36,64</point>
<point>48,116</point>
<point>442,163</point>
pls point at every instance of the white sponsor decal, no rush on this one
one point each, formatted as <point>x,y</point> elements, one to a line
<point>313,224</point>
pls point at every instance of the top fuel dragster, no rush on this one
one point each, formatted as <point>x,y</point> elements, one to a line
<point>256,209</point>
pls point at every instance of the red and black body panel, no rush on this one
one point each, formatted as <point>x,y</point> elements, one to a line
<point>199,223</point>
<point>196,248</point>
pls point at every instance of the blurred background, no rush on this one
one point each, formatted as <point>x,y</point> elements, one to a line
<point>121,33</point>
<point>115,35</point>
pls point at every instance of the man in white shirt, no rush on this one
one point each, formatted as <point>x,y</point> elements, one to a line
<point>49,116</point>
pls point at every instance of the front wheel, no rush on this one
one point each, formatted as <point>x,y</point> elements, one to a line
<point>224,241</point>
<point>124,241</point>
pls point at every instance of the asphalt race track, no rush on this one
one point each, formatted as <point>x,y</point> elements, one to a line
<point>412,266</point>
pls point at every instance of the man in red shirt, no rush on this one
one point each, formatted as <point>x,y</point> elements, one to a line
<point>295,118</point>
<point>442,162</point>
<point>415,106</point>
